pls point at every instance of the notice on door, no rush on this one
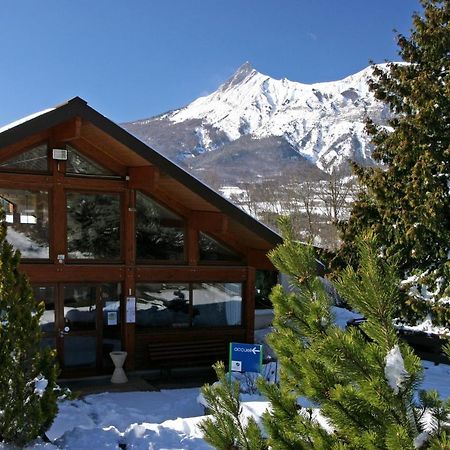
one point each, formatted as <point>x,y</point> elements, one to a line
<point>131,310</point>
<point>112,317</point>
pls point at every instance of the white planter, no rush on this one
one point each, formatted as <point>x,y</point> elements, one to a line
<point>118,359</point>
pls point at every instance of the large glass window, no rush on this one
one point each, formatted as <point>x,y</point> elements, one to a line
<point>211,250</point>
<point>162,305</point>
<point>93,226</point>
<point>217,304</point>
<point>188,304</point>
<point>80,314</point>
<point>26,216</point>
<point>80,307</point>
<point>159,232</point>
<point>78,164</point>
<point>34,160</point>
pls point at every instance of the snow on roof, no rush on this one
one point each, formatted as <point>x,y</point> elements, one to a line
<point>24,119</point>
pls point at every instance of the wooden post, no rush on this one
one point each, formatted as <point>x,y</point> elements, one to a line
<point>249,304</point>
<point>191,244</point>
<point>129,285</point>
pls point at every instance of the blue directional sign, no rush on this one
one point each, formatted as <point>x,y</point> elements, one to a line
<point>245,357</point>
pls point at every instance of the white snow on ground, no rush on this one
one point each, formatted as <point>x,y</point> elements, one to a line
<point>159,420</point>
<point>169,419</point>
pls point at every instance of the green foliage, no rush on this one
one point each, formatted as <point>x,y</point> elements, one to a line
<point>439,409</point>
<point>227,429</point>
<point>441,442</point>
<point>360,385</point>
<point>25,410</point>
<point>94,225</point>
<point>406,202</point>
<point>340,372</point>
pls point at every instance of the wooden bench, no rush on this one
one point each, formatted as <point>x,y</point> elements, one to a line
<point>167,355</point>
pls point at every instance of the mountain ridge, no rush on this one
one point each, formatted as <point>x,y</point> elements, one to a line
<point>315,128</point>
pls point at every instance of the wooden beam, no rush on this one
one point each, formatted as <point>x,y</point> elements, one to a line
<point>249,305</point>
<point>214,222</point>
<point>191,244</point>
<point>144,178</point>
<point>167,201</point>
<point>58,231</point>
<point>128,329</point>
<point>25,181</point>
<point>190,274</point>
<point>129,227</point>
<point>259,260</point>
<point>229,239</point>
<point>66,132</point>
<point>98,155</point>
<point>94,184</point>
<point>55,273</point>
<point>173,205</point>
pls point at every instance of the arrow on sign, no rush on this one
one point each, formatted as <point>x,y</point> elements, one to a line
<point>255,350</point>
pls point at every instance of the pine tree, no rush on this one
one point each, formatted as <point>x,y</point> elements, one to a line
<point>364,381</point>
<point>28,390</point>
<point>227,429</point>
<point>407,201</point>
<point>361,384</point>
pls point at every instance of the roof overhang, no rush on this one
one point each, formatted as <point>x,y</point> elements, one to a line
<point>94,122</point>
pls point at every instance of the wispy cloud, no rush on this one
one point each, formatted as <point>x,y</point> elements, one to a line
<point>312,36</point>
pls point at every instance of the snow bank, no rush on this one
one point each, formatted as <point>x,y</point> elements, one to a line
<point>169,419</point>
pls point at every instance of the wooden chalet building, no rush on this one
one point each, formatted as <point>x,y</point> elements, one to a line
<point>127,250</point>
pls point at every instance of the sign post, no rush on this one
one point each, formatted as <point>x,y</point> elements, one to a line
<point>245,357</point>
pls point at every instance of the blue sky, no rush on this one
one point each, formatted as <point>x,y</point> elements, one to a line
<point>133,59</point>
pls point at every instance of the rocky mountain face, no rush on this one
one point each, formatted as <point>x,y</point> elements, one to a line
<point>255,127</point>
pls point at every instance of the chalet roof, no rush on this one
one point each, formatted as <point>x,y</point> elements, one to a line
<point>125,145</point>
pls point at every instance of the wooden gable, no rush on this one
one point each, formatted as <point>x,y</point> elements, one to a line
<point>76,124</point>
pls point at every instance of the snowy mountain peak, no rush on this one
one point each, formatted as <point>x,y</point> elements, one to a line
<point>245,71</point>
<point>324,122</point>
<point>321,123</point>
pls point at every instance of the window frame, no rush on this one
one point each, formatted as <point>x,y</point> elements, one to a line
<point>26,149</point>
<point>121,257</point>
<point>21,186</point>
<point>190,326</point>
<point>219,262</point>
<point>90,159</point>
<point>160,262</point>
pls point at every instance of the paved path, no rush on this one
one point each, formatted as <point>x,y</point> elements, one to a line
<point>153,381</point>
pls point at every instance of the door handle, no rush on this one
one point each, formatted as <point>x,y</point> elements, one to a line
<point>64,331</point>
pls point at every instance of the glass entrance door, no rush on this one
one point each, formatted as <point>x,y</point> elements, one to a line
<point>78,335</point>
<point>82,321</point>
<point>47,294</point>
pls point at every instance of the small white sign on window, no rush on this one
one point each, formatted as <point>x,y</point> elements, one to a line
<point>131,309</point>
<point>112,317</point>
